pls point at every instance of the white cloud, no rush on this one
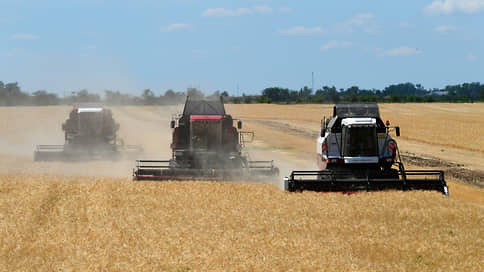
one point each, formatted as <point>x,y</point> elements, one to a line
<point>285,10</point>
<point>406,25</point>
<point>445,28</point>
<point>175,27</point>
<point>15,52</point>
<point>335,44</point>
<point>301,30</point>
<point>451,6</point>
<point>361,19</point>
<point>199,51</point>
<point>24,36</point>
<point>222,12</point>
<point>471,57</point>
<point>263,9</point>
<point>7,54</point>
<point>401,51</point>
<point>260,9</point>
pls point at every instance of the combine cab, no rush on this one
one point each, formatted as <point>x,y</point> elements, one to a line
<point>205,146</point>
<point>90,133</point>
<point>356,153</point>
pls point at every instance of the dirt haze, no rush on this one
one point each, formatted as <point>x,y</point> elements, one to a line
<point>26,127</point>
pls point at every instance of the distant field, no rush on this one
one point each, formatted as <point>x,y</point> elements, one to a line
<point>51,223</point>
<point>90,216</point>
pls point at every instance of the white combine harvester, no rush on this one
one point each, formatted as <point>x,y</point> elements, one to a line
<point>356,153</point>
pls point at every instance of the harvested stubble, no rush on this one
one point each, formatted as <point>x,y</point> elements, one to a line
<point>51,223</point>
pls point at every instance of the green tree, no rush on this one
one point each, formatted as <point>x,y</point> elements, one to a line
<point>170,94</point>
<point>148,97</point>
<point>264,99</point>
<point>334,95</point>
<point>83,96</point>
<point>247,99</point>
<point>42,98</point>
<point>410,99</point>
<point>395,98</point>
<point>194,93</point>
<point>305,92</point>
<point>317,99</point>
<point>353,98</point>
<point>11,95</point>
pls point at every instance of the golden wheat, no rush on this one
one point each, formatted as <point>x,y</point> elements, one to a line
<point>53,223</point>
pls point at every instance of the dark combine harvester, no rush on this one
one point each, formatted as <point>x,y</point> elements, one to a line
<point>205,146</point>
<point>90,133</point>
<point>356,153</point>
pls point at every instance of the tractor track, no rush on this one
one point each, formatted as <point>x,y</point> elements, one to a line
<point>452,170</point>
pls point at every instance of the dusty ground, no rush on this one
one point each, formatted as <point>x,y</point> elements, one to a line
<point>56,215</point>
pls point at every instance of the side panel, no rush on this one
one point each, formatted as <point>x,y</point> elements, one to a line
<point>333,143</point>
<point>386,145</point>
<point>321,148</point>
<point>327,147</point>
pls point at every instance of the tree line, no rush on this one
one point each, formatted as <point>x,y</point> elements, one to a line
<point>404,92</point>
<point>12,95</point>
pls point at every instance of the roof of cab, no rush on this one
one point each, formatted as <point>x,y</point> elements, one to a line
<point>204,107</point>
<point>79,110</point>
<point>356,110</point>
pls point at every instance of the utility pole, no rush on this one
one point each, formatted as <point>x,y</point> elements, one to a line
<point>312,82</point>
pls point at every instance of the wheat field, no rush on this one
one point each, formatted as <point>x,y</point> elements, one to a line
<point>91,216</point>
<point>51,223</point>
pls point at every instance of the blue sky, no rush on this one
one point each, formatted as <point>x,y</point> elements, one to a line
<point>219,45</point>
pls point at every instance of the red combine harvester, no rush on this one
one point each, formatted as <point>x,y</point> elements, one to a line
<point>205,146</point>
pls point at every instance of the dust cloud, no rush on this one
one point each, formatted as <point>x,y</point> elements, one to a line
<point>23,128</point>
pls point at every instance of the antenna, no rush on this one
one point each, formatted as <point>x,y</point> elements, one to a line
<point>237,89</point>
